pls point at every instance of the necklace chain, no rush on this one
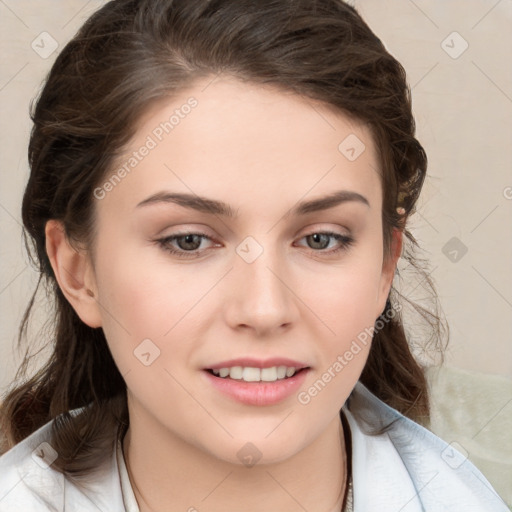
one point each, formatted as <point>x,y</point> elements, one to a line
<point>345,490</point>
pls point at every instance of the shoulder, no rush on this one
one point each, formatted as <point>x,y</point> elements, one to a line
<point>409,466</point>
<point>28,481</point>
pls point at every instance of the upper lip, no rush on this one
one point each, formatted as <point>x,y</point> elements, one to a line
<point>258,363</point>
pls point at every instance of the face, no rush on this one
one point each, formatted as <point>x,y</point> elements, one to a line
<point>263,276</point>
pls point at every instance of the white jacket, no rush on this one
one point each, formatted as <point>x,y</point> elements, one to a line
<point>406,469</point>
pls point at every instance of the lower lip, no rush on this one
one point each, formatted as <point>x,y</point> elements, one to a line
<point>258,393</point>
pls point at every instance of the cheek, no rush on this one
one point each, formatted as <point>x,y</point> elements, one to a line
<point>343,342</point>
<point>346,298</point>
<point>138,303</point>
<point>345,301</point>
<point>153,315</point>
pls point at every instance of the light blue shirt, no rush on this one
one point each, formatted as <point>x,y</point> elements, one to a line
<point>406,469</point>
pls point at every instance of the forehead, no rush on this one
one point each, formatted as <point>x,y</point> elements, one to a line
<point>233,140</point>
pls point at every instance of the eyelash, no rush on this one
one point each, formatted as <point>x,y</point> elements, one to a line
<point>164,243</point>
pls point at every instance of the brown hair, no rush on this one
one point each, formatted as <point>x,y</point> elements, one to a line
<point>133,52</point>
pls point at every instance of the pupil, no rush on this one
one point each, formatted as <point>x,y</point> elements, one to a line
<point>189,239</point>
<point>316,237</point>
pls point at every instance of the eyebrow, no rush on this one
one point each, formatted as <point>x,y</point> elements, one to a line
<point>212,206</point>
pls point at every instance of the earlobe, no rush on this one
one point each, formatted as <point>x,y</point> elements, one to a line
<point>74,273</point>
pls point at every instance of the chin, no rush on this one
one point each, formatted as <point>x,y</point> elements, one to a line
<point>258,449</point>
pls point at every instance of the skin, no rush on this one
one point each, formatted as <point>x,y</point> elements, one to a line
<point>260,150</point>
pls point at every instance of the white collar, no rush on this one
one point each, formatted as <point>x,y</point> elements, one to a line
<point>405,469</point>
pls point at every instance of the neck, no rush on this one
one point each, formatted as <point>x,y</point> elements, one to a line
<point>168,473</point>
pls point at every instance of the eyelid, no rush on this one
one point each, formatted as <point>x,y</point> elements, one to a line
<point>345,241</point>
<point>164,243</point>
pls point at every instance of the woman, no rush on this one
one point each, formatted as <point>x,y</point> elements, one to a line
<point>218,199</point>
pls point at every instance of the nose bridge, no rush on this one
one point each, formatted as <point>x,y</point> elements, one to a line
<point>263,299</point>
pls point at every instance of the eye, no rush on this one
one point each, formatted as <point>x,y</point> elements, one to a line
<point>187,243</point>
<point>320,240</point>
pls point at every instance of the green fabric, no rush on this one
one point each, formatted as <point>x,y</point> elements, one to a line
<point>475,410</point>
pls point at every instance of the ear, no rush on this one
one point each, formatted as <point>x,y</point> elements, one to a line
<point>74,273</point>
<point>388,270</point>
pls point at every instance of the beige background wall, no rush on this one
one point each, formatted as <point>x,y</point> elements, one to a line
<point>457,54</point>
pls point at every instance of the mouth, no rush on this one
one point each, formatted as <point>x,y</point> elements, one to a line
<point>255,382</point>
<point>256,375</point>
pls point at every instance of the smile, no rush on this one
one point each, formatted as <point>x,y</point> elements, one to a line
<point>251,374</point>
<point>255,381</point>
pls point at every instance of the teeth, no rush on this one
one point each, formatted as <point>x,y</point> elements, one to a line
<point>250,374</point>
<point>290,372</point>
<point>269,374</point>
<point>223,372</point>
<point>236,372</point>
<point>281,372</point>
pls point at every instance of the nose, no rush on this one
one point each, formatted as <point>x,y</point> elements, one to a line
<point>261,297</point>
